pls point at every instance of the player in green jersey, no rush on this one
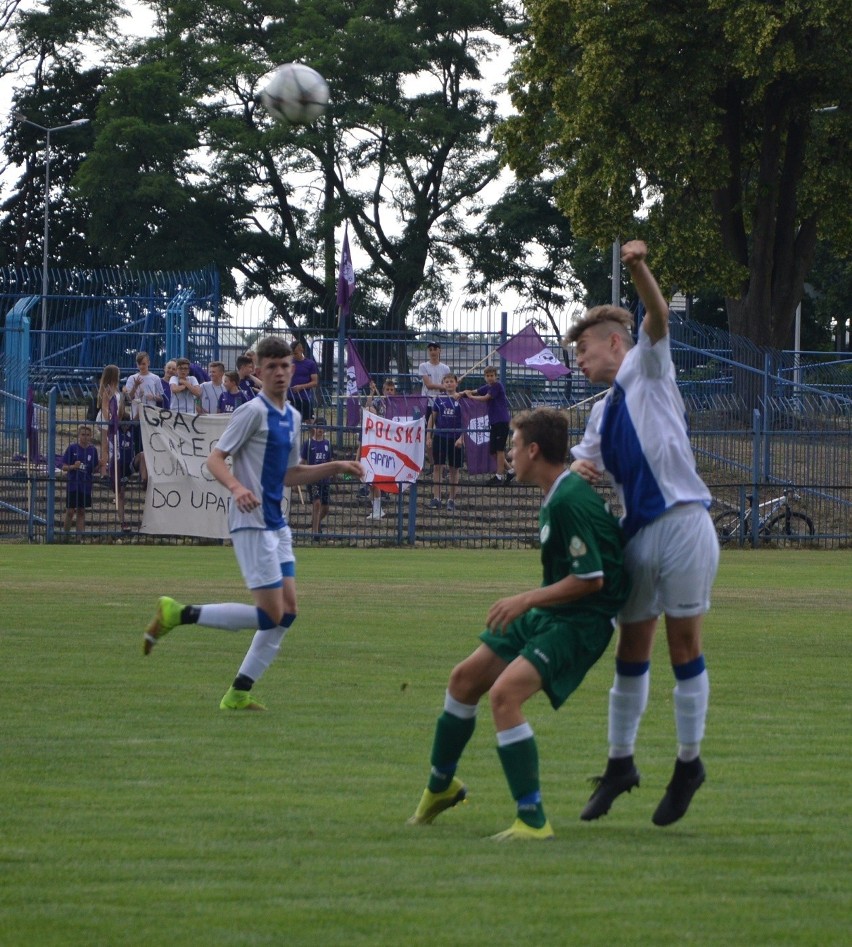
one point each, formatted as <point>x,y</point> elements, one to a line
<point>546,638</point>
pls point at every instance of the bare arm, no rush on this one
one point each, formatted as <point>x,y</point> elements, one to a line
<point>569,589</point>
<point>310,473</point>
<point>656,322</point>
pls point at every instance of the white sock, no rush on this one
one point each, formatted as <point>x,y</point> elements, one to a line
<point>264,646</point>
<point>232,616</point>
<point>458,709</point>
<point>691,699</point>
<point>377,506</point>
<point>628,699</point>
<point>515,734</point>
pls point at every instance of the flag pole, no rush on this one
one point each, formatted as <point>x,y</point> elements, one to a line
<point>341,374</point>
<point>487,357</point>
<point>600,394</point>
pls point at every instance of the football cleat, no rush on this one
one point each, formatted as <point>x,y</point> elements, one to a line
<point>608,788</point>
<point>239,700</point>
<point>684,784</point>
<point>166,618</point>
<point>432,804</point>
<point>519,831</point>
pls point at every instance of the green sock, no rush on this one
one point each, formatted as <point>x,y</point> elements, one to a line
<point>451,736</point>
<point>520,764</point>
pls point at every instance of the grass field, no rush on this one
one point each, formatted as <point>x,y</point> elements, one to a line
<point>133,811</point>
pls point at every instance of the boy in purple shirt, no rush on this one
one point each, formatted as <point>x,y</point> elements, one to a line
<point>79,463</point>
<point>231,398</point>
<point>248,383</point>
<point>317,450</point>
<point>499,417</point>
<point>444,431</point>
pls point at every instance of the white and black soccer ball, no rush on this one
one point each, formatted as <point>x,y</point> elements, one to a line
<point>296,94</point>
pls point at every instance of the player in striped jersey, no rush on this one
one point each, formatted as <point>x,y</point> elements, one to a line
<point>263,442</point>
<point>638,433</point>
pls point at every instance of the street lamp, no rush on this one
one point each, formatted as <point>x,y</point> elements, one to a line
<point>48,132</point>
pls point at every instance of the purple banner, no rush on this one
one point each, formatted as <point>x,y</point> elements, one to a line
<point>476,436</point>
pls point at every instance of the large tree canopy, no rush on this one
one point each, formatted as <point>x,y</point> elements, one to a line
<point>723,125</point>
<point>184,156</point>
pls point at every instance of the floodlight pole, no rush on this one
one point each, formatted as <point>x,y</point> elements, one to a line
<point>46,248</point>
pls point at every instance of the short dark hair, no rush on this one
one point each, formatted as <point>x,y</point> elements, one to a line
<point>272,347</point>
<point>433,345</point>
<point>244,360</point>
<point>319,422</point>
<point>546,427</point>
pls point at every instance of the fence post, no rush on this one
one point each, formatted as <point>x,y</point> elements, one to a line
<point>767,421</point>
<point>412,516</point>
<point>504,334</point>
<point>50,452</point>
<point>755,477</point>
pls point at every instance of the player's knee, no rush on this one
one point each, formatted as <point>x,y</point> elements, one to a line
<point>462,683</point>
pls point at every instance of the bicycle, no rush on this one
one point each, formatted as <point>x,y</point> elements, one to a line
<point>778,524</point>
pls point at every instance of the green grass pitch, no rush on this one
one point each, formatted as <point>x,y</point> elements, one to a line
<point>133,811</point>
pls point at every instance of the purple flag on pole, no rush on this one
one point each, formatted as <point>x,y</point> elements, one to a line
<point>357,377</point>
<point>346,280</point>
<point>476,436</point>
<point>528,348</point>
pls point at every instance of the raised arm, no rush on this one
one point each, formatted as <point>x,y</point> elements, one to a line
<point>656,322</point>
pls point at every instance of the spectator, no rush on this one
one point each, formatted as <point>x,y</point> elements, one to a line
<point>249,383</point>
<point>446,438</point>
<point>231,397</point>
<point>185,388</point>
<point>110,405</point>
<point>305,379</point>
<point>79,463</point>
<point>317,450</point>
<point>499,416</point>
<point>143,387</point>
<point>212,390</point>
<point>432,373</point>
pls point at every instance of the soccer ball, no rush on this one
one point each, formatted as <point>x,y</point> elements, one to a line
<point>296,94</point>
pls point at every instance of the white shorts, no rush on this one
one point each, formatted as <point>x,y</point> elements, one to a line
<point>672,563</point>
<point>264,556</point>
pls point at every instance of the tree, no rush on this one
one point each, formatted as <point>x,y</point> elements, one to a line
<point>709,121</point>
<point>53,87</point>
<point>402,153</point>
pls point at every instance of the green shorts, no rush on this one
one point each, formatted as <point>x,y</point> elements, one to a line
<point>561,648</point>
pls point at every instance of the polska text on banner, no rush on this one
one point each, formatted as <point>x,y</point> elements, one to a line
<point>183,497</point>
<point>477,436</point>
<point>528,348</point>
<point>391,451</point>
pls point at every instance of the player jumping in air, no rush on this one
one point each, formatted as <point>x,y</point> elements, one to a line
<point>638,433</point>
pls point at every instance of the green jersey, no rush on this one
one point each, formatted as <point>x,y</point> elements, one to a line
<point>580,537</point>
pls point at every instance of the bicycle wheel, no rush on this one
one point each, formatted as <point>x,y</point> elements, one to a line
<point>727,527</point>
<point>788,529</point>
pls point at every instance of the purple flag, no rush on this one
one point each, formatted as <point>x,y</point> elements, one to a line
<point>357,377</point>
<point>476,436</point>
<point>528,348</point>
<point>359,374</point>
<point>346,280</point>
<point>406,407</point>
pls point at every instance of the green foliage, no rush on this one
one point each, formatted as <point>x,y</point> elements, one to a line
<point>704,120</point>
<point>402,152</point>
<point>133,811</point>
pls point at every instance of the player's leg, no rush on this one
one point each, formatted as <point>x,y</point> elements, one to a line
<point>628,696</point>
<point>469,680</point>
<point>517,749</point>
<point>687,580</point>
<point>276,606</point>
